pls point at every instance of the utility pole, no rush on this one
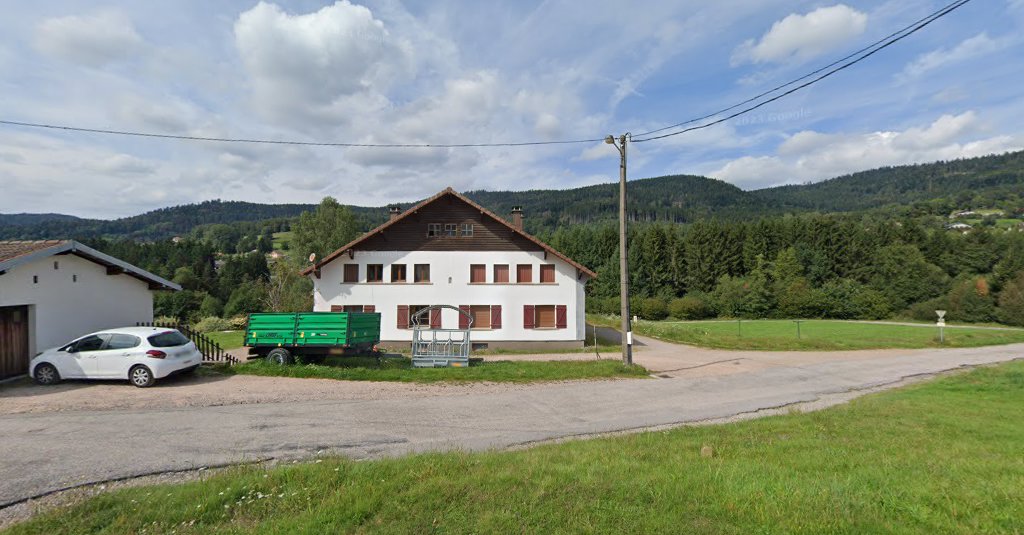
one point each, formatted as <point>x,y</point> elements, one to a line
<point>627,332</point>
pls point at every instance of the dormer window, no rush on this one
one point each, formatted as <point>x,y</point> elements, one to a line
<point>433,230</point>
<point>451,230</point>
<point>467,230</point>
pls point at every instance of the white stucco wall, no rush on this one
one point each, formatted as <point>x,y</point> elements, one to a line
<point>449,285</point>
<point>61,308</point>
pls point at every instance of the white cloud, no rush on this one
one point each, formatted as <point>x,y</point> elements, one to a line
<point>320,66</point>
<point>812,156</point>
<point>801,37</point>
<point>974,47</point>
<point>92,40</point>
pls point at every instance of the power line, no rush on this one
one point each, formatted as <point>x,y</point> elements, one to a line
<point>935,14</point>
<point>863,54</point>
<point>292,142</point>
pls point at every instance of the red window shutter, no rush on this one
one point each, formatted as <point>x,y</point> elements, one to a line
<point>435,318</point>
<point>495,316</point>
<point>527,316</point>
<point>561,321</point>
<point>403,316</point>
<point>463,319</point>
<point>337,308</point>
<point>369,308</point>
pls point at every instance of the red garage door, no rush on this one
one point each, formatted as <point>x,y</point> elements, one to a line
<point>13,341</point>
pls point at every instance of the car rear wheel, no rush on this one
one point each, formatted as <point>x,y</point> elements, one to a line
<point>46,374</point>
<point>279,355</point>
<point>141,376</point>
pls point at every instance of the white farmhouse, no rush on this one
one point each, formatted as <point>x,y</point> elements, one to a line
<point>54,291</point>
<point>448,250</point>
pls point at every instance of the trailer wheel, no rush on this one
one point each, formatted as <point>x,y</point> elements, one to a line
<point>279,355</point>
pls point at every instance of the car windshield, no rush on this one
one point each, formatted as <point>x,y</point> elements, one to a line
<point>168,339</point>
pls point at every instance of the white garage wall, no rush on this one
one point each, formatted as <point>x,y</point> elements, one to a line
<point>63,308</point>
<point>449,285</point>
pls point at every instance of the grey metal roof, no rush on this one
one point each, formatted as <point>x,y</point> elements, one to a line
<point>16,253</point>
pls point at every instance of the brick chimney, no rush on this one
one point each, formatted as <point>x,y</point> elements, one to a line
<point>517,217</point>
<point>394,211</point>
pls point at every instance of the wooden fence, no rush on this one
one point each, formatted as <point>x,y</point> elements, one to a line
<point>212,352</point>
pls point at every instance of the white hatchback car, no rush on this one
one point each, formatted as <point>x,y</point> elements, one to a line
<point>140,354</point>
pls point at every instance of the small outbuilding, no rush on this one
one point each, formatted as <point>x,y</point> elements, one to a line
<point>53,291</point>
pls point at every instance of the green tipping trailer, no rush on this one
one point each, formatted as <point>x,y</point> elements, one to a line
<point>281,336</point>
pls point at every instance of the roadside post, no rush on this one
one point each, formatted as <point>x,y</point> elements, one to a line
<point>941,324</point>
<point>797,322</point>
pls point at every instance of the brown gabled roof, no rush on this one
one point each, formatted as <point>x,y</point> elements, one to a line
<point>447,191</point>
<point>10,250</point>
<point>16,253</point>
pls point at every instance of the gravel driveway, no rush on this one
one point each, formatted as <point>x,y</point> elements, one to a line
<point>101,432</point>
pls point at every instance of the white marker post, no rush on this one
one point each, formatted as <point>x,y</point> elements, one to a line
<point>941,324</point>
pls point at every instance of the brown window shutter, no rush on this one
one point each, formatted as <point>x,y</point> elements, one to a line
<point>403,316</point>
<point>495,316</point>
<point>527,316</point>
<point>464,320</point>
<point>561,321</point>
<point>337,308</point>
<point>435,318</point>
<point>369,308</point>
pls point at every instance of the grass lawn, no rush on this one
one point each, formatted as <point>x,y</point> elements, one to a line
<point>227,339</point>
<point>940,457</point>
<point>781,335</point>
<point>400,369</point>
<point>280,238</point>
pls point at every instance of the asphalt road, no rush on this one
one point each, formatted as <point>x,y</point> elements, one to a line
<point>50,451</point>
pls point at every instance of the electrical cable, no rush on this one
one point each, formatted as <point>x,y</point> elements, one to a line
<point>928,20</point>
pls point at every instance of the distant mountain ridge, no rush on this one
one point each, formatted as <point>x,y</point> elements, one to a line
<point>674,198</point>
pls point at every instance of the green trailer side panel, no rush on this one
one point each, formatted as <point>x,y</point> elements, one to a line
<point>270,329</point>
<point>322,328</point>
<point>313,329</point>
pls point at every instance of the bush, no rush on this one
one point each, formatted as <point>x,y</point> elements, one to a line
<point>970,301</point>
<point>693,306</point>
<point>925,310</point>
<point>238,322</point>
<point>165,320</point>
<point>211,306</point>
<point>847,299</point>
<point>246,298</point>
<point>653,308</point>
<point>211,324</point>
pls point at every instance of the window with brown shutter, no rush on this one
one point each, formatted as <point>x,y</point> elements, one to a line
<point>402,315</point>
<point>351,273</point>
<point>369,308</point>
<point>352,308</point>
<point>547,273</point>
<point>545,316</point>
<point>464,315</point>
<point>477,273</point>
<point>481,316</point>
<point>561,317</point>
<point>337,308</point>
<point>375,273</point>
<point>435,318</point>
<point>397,272</point>
<point>501,273</point>
<point>413,309</point>
<point>524,273</point>
<point>528,316</point>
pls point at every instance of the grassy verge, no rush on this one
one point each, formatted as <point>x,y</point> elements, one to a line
<point>400,369</point>
<point>781,335</point>
<point>227,339</point>
<point>942,457</point>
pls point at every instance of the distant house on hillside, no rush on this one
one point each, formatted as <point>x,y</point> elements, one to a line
<point>962,227</point>
<point>448,250</point>
<point>965,213</point>
<point>54,291</point>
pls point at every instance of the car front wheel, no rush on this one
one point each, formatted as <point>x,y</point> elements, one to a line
<point>141,377</point>
<point>46,374</point>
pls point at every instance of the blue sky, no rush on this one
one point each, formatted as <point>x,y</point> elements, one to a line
<point>451,72</point>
